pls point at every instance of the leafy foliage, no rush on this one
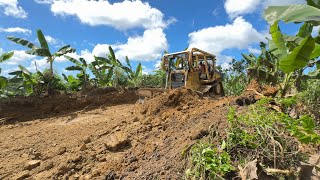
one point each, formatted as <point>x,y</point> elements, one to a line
<point>294,13</point>
<point>309,98</point>
<point>81,66</point>
<point>43,50</point>
<point>157,79</point>
<point>6,56</point>
<point>208,162</point>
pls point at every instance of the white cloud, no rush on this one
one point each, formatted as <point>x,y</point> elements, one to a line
<point>121,15</point>
<point>146,70</point>
<point>44,1</point>
<point>315,31</point>
<point>38,64</point>
<point>236,8</point>
<point>254,50</point>
<point>11,8</point>
<point>224,61</point>
<point>240,35</point>
<point>51,40</point>
<point>35,64</point>
<point>147,47</point>
<point>16,30</point>
<point>19,57</point>
<point>157,65</point>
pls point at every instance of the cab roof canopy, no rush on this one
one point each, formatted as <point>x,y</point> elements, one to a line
<point>195,51</point>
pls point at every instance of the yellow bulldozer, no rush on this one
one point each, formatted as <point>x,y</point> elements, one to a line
<point>194,69</point>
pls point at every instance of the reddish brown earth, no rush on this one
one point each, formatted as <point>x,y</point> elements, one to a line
<point>78,137</point>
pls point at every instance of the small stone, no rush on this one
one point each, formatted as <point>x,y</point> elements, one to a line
<point>117,128</point>
<point>83,147</point>
<point>87,140</point>
<point>46,166</point>
<point>32,164</point>
<point>117,141</point>
<point>25,155</point>
<point>62,150</point>
<point>135,119</point>
<point>22,175</point>
<point>62,168</point>
<point>185,107</point>
<point>75,158</point>
<point>199,134</point>
<point>95,173</point>
<point>132,159</point>
<point>35,156</point>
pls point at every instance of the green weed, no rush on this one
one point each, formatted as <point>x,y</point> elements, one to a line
<point>208,162</point>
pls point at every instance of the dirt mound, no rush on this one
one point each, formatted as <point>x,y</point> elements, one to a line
<point>113,142</point>
<point>36,107</point>
<point>178,98</point>
<point>266,90</point>
<point>256,91</point>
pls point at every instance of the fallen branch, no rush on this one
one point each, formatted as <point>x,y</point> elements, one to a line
<point>280,171</point>
<point>255,91</point>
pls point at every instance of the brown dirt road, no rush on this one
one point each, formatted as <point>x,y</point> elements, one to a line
<point>109,141</point>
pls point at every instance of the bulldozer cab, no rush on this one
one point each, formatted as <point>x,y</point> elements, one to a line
<point>193,68</point>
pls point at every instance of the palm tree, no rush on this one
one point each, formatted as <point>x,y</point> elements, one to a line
<point>80,65</point>
<point>44,50</point>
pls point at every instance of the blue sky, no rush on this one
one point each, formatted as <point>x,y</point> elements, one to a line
<point>142,30</point>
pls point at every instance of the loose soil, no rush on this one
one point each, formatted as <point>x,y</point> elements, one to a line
<point>105,134</point>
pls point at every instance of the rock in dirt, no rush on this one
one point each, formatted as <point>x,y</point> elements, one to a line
<point>63,168</point>
<point>61,150</point>
<point>22,175</point>
<point>83,147</point>
<point>45,166</point>
<point>32,164</point>
<point>135,119</point>
<point>117,141</point>
<point>199,134</point>
<point>87,140</point>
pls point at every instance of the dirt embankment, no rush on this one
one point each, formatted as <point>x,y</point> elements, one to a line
<point>21,109</point>
<point>121,139</point>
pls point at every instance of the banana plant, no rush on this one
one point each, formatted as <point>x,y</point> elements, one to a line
<point>73,84</point>
<point>102,70</point>
<point>4,80</point>
<point>134,75</point>
<point>295,13</point>
<point>81,66</point>
<point>35,83</point>
<point>295,53</point>
<point>43,50</point>
<point>264,67</point>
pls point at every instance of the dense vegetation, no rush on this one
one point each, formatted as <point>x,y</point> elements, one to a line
<point>271,132</point>
<point>102,72</point>
<point>289,63</point>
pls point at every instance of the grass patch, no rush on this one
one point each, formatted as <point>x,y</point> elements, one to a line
<point>271,137</point>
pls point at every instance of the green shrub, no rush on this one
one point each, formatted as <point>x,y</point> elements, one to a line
<point>309,98</point>
<point>208,162</point>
